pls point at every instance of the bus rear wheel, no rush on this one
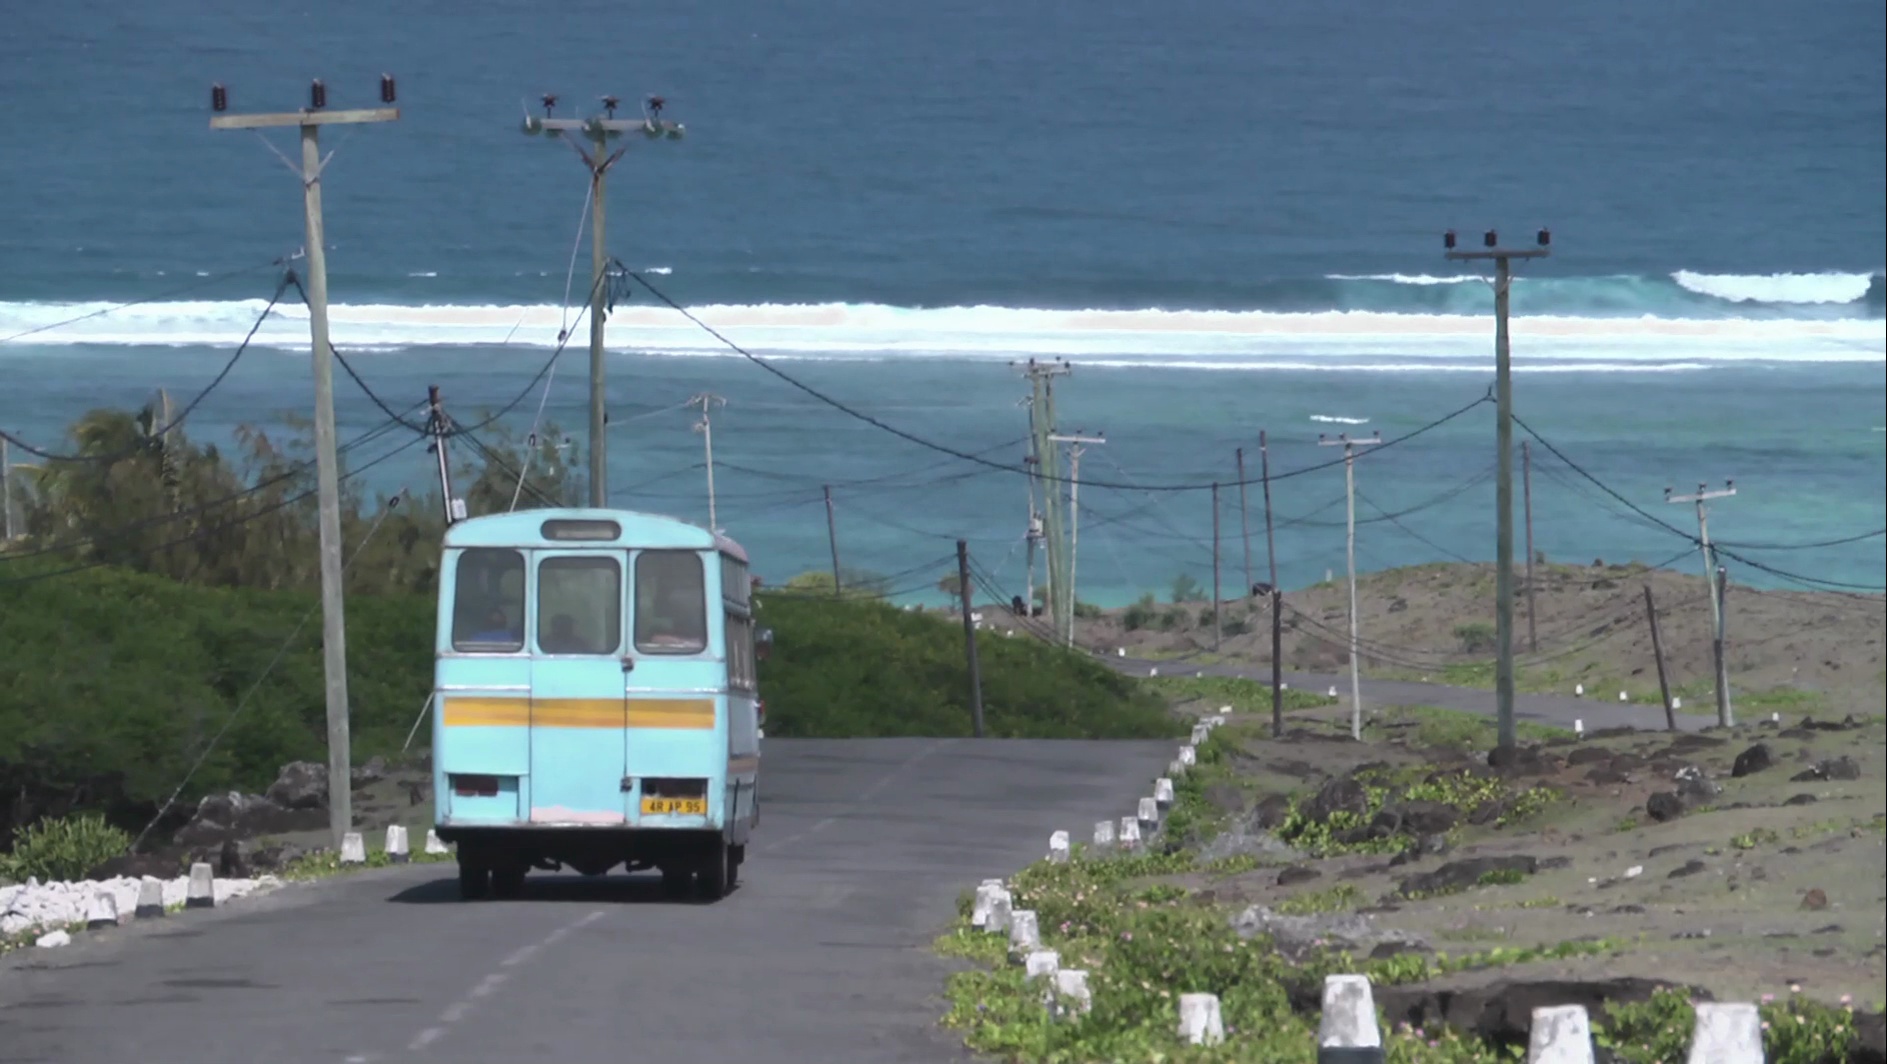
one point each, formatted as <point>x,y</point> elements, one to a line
<point>716,874</point>
<point>507,881</point>
<point>474,880</point>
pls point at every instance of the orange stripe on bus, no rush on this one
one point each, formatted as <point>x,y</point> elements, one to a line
<point>684,713</point>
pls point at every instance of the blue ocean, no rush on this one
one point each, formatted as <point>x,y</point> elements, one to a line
<point>1227,218</point>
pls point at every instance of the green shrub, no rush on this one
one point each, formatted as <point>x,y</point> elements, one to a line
<point>1476,637</point>
<point>1140,614</point>
<point>63,848</point>
<point>847,669</point>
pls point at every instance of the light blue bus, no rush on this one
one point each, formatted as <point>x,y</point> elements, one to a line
<point>595,699</point>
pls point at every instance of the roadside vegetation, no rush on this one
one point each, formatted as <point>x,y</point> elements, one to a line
<point>161,607</point>
<point>1153,925</point>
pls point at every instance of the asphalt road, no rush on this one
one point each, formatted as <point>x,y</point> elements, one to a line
<point>820,956</point>
<point>1561,710</point>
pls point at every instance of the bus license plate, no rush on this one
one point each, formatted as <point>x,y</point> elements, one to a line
<point>678,806</point>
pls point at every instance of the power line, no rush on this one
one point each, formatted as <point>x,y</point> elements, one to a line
<point>294,470</point>
<point>968,457</point>
<point>194,286</point>
<point>187,408</point>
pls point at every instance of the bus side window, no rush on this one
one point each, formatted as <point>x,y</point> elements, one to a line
<point>671,603</point>
<point>488,601</point>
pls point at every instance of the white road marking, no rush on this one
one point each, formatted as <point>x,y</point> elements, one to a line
<point>461,1008</point>
<point>864,796</point>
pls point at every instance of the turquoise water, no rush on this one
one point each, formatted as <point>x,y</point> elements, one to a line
<point>1227,219</point>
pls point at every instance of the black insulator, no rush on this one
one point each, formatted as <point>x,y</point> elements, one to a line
<point>219,98</point>
<point>550,101</point>
<point>1448,240</point>
<point>1490,239</point>
<point>1545,237</point>
<point>318,95</point>
<point>609,104</point>
<point>387,93</point>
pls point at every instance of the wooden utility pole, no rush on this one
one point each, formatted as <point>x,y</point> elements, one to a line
<point>6,493</point>
<point>1504,467</point>
<point>1244,519</point>
<point>1526,495</point>
<point>705,427</point>
<point>599,130</point>
<point>832,537</point>
<point>1277,597</point>
<point>1218,630</point>
<point>437,425</point>
<point>969,639</point>
<point>1047,464</point>
<point>1271,547</point>
<point>1349,490</point>
<point>1657,651</point>
<point>1277,663</point>
<point>327,473</point>
<point>1075,451</point>
<point>1712,577</point>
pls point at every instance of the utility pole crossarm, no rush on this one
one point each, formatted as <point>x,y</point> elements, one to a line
<point>305,118</point>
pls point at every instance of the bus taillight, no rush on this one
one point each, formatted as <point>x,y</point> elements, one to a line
<point>475,786</point>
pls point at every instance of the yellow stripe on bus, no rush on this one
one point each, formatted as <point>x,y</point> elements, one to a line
<point>687,713</point>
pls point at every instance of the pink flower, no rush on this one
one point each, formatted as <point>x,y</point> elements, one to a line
<point>1767,998</point>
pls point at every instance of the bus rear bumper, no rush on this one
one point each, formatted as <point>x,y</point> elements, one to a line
<point>588,849</point>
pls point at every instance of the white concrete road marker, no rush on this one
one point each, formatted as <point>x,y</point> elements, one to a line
<point>101,911</point>
<point>1348,1034</point>
<point>1103,834</point>
<point>150,898</point>
<point>1041,964</point>
<point>397,851</point>
<point>1129,833</point>
<point>202,891</point>
<point>1727,1033</point>
<point>1072,997</point>
<point>1163,793</point>
<point>1025,936</point>
<point>1199,1022</point>
<point>433,843</point>
<point>353,848</point>
<point>1058,847</point>
<point>1560,1035</point>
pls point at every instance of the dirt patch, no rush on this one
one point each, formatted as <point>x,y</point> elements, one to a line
<point>1754,884</point>
<point>1819,652</point>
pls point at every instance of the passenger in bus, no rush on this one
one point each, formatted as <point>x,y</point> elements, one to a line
<point>497,630</point>
<point>562,637</point>
<point>672,618</point>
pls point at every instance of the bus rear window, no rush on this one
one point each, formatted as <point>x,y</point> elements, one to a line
<point>488,601</point>
<point>671,603</point>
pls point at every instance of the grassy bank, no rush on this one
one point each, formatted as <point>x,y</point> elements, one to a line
<point>112,684</point>
<point>1150,927</point>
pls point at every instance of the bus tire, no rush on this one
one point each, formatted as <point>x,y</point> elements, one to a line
<point>507,881</point>
<point>715,877</point>
<point>474,880</point>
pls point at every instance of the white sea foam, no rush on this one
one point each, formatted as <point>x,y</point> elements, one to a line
<point>1217,339</point>
<point>1333,419</point>
<point>1777,287</point>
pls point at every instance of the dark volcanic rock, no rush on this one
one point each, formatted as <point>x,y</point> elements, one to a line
<point>1690,868</point>
<point>1801,799</point>
<point>239,816</point>
<point>1297,874</point>
<point>1413,818</point>
<point>1870,1044</point>
<point>1271,811</point>
<point>1834,768</point>
<point>164,864</point>
<point>1664,805</point>
<point>1426,846</point>
<point>1460,875</point>
<point>1501,1011</point>
<point>1754,759</point>
<point>1588,754</point>
<point>300,785</point>
<point>1338,795</point>
<point>1521,761</point>
<point>1605,774</point>
<point>1225,797</point>
<point>1698,789</point>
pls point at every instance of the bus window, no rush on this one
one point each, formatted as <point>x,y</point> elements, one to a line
<point>671,603</point>
<point>488,601</point>
<point>579,606</point>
